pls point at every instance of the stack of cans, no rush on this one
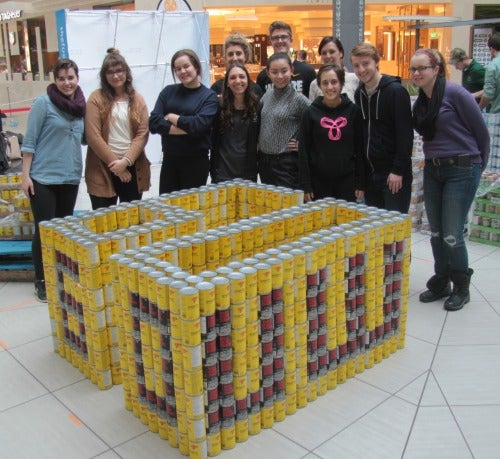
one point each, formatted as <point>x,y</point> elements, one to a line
<point>218,332</point>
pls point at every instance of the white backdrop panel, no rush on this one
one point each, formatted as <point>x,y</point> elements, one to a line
<point>147,40</point>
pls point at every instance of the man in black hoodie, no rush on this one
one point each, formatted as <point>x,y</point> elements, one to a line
<point>387,132</point>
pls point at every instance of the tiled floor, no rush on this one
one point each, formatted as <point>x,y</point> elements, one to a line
<point>437,398</point>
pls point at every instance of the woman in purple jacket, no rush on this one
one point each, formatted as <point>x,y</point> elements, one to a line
<point>456,148</point>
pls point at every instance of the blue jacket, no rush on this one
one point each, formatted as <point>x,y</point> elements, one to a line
<point>54,138</point>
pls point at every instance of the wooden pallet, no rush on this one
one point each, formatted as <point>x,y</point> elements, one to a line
<point>15,261</point>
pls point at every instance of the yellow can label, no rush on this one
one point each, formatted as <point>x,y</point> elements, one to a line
<point>252,304</point>
<point>239,339</point>
<point>191,332</point>
<point>189,303</point>
<point>193,382</point>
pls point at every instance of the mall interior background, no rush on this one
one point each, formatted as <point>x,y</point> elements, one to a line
<point>29,47</point>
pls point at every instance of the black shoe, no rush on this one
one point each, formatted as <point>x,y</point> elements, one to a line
<point>40,292</point>
<point>437,287</point>
<point>461,293</point>
<point>456,301</point>
<point>429,296</point>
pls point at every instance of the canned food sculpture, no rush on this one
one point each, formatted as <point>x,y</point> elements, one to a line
<point>223,309</point>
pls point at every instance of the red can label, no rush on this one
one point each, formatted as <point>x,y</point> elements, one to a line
<point>265,300</point>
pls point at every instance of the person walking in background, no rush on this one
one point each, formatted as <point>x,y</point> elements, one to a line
<point>236,129</point>
<point>282,110</point>
<point>387,132</point>
<point>183,115</point>
<point>236,49</point>
<point>331,51</point>
<point>116,130</point>
<point>331,142</point>
<point>490,100</point>
<point>280,34</point>
<point>301,55</point>
<point>472,72</point>
<point>456,146</point>
<point>52,155</point>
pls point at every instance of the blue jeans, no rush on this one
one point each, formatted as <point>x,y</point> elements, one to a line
<point>448,192</point>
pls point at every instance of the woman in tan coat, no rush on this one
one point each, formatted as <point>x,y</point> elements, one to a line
<point>116,129</point>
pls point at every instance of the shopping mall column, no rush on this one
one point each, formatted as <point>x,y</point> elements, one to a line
<point>349,23</point>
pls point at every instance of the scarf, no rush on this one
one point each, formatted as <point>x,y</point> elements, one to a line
<point>426,111</point>
<point>74,107</point>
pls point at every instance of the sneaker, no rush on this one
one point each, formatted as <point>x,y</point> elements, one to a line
<point>40,293</point>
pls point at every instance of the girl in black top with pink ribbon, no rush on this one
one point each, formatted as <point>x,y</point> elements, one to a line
<point>331,142</point>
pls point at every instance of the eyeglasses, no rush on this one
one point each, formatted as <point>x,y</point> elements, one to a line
<point>280,37</point>
<point>420,69</point>
<point>115,72</point>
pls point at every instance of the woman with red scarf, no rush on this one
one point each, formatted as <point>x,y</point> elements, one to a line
<point>52,155</point>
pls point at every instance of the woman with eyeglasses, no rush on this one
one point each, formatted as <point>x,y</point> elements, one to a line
<point>456,146</point>
<point>331,52</point>
<point>116,129</point>
<point>183,115</point>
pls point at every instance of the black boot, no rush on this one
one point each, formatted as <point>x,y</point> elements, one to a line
<point>40,291</point>
<point>438,286</point>
<point>460,294</point>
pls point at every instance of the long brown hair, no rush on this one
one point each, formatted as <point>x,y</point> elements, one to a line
<point>112,59</point>
<point>227,98</point>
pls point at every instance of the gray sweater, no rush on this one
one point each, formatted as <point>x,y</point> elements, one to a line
<point>281,113</point>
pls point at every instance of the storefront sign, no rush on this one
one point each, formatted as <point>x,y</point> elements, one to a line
<point>480,51</point>
<point>8,15</point>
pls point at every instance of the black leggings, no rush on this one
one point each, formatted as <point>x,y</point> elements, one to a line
<point>335,187</point>
<point>49,201</point>
<point>126,192</point>
<point>279,170</point>
<point>180,172</point>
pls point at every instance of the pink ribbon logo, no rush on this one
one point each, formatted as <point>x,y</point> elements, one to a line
<point>333,126</point>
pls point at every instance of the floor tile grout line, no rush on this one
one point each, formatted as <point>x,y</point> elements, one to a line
<point>453,414</point>
<point>49,391</point>
<point>291,439</point>
<point>9,408</point>
<point>31,342</point>
<point>436,349</point>
<point>389,394</point>
<point>140,435</point>
<point>355,421</point>
<point>393,393</point>
<point>82,421</point>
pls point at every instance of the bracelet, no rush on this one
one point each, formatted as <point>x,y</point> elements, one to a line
<point>128,161</point>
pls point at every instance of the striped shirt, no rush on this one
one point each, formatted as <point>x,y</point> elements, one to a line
<point>281,113</point>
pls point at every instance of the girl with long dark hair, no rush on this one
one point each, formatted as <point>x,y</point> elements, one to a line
<point>236,129</point>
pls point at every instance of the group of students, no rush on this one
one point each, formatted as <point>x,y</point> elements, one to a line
<point>352,141</point>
